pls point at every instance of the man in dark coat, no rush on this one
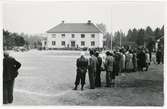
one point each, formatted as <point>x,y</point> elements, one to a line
<point>98,71</point>
<point>158,56</point>
<point>110,76</point>
<point>82,65</point>
<point>92,65</point>
<point>10,72</point>
<point>141,60</point>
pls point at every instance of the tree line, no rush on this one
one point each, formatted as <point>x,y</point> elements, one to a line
<point>135,37</point>
<point>12,39</point>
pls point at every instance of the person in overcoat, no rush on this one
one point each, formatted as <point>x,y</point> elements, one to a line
<point>110,76</point>
<point>10,72</point>
<point>92,68</point>
<point>117,60</point>
<point>134,59</point>
<point>82,66</point>
<point>129,63</point>
<point>98,70</point>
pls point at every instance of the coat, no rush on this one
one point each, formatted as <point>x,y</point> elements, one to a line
<point>129,63</point>
<point>109,63</point>
<point>82,64</point>
<point>92,63</point>
<point>10,68</point>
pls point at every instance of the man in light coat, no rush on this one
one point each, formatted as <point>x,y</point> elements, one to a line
<point>92,65</point>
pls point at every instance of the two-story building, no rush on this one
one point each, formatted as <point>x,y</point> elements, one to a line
<point>74,35</point>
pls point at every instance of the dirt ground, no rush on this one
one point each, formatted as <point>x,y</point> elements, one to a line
<point>47,78</point>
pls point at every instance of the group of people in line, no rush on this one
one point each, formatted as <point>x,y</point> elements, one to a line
<point>113,63</point>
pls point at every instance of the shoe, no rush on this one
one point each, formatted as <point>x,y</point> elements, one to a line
<point>74,88</point>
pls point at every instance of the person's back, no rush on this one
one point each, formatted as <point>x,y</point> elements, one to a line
<point>93,63</point>
<point>10,72</point>
<point>10,67</point>
<point>109,63</point>
<point>82,63</point>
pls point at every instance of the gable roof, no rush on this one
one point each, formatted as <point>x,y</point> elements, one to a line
<point>75,28</point>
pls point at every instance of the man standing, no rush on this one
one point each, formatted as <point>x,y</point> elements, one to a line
<point>109,69</point>
<point>10,72</point>
<point>82,65</point>
<point>98,72</point>
<point>92,65</point>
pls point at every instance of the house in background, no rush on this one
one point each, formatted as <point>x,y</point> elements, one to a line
<point>74,35</point>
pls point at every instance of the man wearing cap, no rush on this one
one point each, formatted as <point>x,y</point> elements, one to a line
<point>92,65</point>
<point>98,71</point>
<point>109,69</point>
<point>10,72</point>
<point>82,65</point>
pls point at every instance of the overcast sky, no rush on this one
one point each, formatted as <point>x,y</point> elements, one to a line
<point>38,17</point>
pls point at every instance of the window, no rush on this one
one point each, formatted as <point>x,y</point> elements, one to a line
<point>92,43</point>
<point>82,43</point>
<point>82,35</point>
<point>63,43</point>
<point>62,35</point>
<point>92,35</point>
<point>53,42</point>
<point>54,35</point>
<point>73,35</point>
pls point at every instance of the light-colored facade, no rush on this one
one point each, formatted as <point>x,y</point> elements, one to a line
<point>75,39</point>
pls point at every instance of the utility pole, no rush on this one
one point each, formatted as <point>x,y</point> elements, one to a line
<point>110,23</point>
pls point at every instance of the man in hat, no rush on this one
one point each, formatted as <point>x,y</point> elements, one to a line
<point>109,69</point>
<point>82,65</point>
<point>98,70</point>
<point>92,68</point>
<point>10,72</point>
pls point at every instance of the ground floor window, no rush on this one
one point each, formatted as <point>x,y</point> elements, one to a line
<point>63,43</point>
<point>82,43</point>
<point>53,42</point>
<point>92,43</point>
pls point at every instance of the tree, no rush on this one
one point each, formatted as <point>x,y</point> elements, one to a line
<point>140,37</point>
<point>12,39</point>
<point>107,37</point>
<point>157,33</point>
<point>130,35</point>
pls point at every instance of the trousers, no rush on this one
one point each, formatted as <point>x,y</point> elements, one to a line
<point>8,91</point>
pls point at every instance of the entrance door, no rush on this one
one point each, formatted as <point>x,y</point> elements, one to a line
<point>72,44</point>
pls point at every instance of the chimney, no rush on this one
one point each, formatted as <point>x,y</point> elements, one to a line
<point>89,21</point>
<point>62,21</point>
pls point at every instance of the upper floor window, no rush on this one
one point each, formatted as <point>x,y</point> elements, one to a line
<point>92,43</point>
<point>53,42</point>
<point>63,35</point>
<point>73,35</point>
<point>82,35</point>
<point>92,35</point>
<point>54,35</point>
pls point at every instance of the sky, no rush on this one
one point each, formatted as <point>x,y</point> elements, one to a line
<point>38,17</point>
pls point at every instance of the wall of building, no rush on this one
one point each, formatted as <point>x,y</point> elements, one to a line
<point>58,38</point>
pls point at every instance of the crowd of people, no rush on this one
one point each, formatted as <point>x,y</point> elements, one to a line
<point>114,63</point>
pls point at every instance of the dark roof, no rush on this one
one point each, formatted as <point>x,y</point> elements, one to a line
<point>74,28</point>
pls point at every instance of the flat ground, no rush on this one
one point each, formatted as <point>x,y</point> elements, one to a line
<point>47,78</point>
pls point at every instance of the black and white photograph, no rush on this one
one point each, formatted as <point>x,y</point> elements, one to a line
<point>83,53</point>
